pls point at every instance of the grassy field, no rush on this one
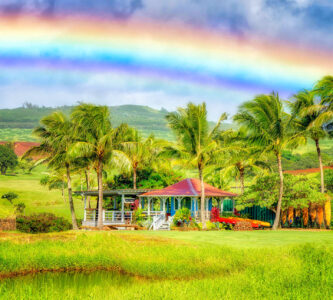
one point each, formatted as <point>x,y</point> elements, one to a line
<point>16,134</point>
<point>37,198</point>
<point>164,265</point>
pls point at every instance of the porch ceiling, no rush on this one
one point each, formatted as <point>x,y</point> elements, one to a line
<point>129,192</point>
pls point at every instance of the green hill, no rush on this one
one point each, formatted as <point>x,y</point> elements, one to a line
<point>17,124</point>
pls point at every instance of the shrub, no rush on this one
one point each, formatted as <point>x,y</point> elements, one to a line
<point>139,216</point>
<point>210,226</point>
<point>42,223</point>
<point>215,214</point>
<point>182,217</point>
<point>20,207</point>
<point>10,196</point>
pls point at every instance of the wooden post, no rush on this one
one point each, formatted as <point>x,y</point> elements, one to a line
<point>85,206</point>
<point>233,205</point>
<point>148,207</point>
<point>164,200</point>
<point>222,205</point>
<point>122,208</point>
<point>179,203</point>
<point>114,203</point>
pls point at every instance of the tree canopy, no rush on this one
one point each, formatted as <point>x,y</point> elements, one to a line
<point>8,158</point>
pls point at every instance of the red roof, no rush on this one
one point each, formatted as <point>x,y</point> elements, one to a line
<point>307,171</point>
<point>189,187</point>
<point>21,147</point>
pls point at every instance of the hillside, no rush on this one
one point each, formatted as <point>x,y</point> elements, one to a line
<point>17,124</point>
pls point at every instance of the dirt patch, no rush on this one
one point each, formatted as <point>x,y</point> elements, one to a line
<point>22,238</point>
<point>144,239</point>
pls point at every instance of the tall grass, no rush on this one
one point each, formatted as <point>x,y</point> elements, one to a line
<point>158,268</point>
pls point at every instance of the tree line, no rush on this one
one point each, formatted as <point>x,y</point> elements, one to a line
<point>86,141</point>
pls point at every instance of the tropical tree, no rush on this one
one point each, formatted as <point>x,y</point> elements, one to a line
<point>268,127</point>
<point>8,158</point>
<point>324,89</point>
<point>57,137</point>
<point>93,128</point>
<point>197,144</point>
<point>239,157</point>
<point>55,180</point>
<point>139,153</point>
<point>305,120</point>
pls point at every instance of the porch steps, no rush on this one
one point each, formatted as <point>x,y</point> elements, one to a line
<point>164,226</point>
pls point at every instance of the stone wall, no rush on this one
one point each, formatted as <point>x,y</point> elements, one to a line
<point>8,224</point>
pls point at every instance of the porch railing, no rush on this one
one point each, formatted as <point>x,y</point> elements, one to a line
<point>112,216</point>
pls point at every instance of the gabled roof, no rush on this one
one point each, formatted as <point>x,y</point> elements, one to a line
<point>189,187</point>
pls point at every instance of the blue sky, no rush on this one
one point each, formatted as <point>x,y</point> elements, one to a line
<point>304,23</point>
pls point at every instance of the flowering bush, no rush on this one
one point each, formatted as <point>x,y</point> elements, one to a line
<point>215,214</point>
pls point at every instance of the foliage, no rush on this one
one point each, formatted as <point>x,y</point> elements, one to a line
<point>148,179</point>
<point>139,216</point>
<point>42,223</point>
<point>10,196</point>
<point>26,165</point>
<point>54,181</point>
<point>20,207</point>
<point>270,129</point>
<point>197,144</point>
<point>329,180</point>
<point>57,135</point>
<point>299,191</point>
<point>182,217</point>
<point>215,214</point>
<point>239,158</point>
<point>8,158</point>
<point>139,152</point>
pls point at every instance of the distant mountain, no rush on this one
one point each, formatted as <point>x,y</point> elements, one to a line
<point>20,121</point>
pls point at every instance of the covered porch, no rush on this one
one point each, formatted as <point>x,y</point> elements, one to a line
<point>159,206</point>
<point>187,193</point>
<point>119,210</point>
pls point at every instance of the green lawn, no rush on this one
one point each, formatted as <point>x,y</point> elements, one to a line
<point>169,265</point>
<point>37,198</point>
<point>16,134</point>
<point>249,239</point>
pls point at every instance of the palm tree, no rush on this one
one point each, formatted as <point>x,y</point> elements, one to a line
<point>57,136</point>
<point>239,157</point>
<point>93,127</point>
<point>139,152</point>
<point>324,89</point>
<point>306,122</point>
<point>267,126</point>
<point>197,144</point>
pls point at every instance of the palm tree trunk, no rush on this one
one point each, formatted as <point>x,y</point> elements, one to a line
<point>70,198</point>
<point>202,201</point>
<point>322,181</point>
<point>88,184</point>
<point>100,195</point>
<point>278,209</point>
<point>241,178</point>
<point>134,178</point>
<point>322,187</point>
<point>63,192</point>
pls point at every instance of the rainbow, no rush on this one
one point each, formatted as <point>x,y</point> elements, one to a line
<point>148,49</point>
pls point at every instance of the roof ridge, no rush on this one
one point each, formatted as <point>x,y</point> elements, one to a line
<point>189,180</point>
